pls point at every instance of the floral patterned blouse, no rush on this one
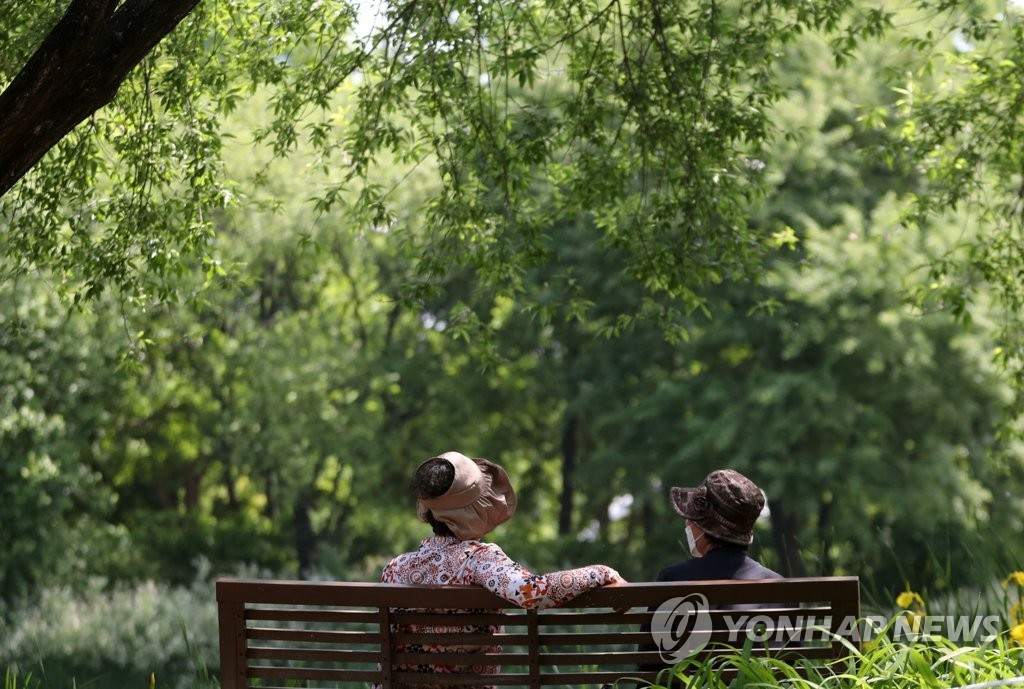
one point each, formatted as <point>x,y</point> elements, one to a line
<point>446,560</point>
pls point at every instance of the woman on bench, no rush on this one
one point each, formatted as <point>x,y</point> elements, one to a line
<point>463,499</point>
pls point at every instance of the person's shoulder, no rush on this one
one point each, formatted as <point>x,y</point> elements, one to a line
<point>752,569</point>
<point>687,570</point>
<point>482,545</point>
<point>391,572</point>
<point>482,550</point>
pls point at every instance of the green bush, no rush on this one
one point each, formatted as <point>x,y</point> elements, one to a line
<point>126,636</point>
<point>930,662</point>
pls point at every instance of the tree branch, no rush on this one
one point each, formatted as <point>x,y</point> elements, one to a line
<point>76,71</point>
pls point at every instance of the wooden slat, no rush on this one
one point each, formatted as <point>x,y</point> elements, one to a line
<point>231,625</point>
<point>592,638</point>
<point>460,618</point>
<point>387,645</point>
<point>461,658</point>
<point>361,594</point>
<point>265,653</point>
<point>572,679</point>
<point>402,637</point>
<point>332,637</point>
<point>847,605</point>
<point>305,615</point>
<point>718,592</point>
<point>429,678</point>
<point>550,618</point>
<point>574,616</point>
<point>533,631</point>
<point>261,685</point>
<point>590,658</point>
<point>336,675</point>
<point>776,611</point>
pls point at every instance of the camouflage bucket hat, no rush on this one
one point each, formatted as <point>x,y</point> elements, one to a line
<point>725,505</point>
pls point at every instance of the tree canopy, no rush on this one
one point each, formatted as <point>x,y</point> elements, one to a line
<point>335,250</point>
<point>649,117</point>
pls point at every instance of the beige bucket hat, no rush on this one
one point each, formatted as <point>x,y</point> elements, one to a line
<point>480,498</point>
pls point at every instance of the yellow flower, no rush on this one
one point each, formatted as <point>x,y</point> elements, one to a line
<point>1017,634</point>
<point>1017,612</point>
<point>1015,577</point>
<point>908,598</point>
<point>915,620</point>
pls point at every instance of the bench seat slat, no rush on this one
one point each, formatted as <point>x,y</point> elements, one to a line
<point>476,639</point>
<point>307,615</point>
<point>366,594</point>
<point>265,653</point>
<point>593,638</point>
<point>636,617</point>
<point>566,616</point>
<point>469,658</point>
<point>507,660</point>
<point>520,679</point>
<point>335,637</point>
<point>823,590</point>
<point>441,619</point>
<point>504,679</point>
<point>578,678</point>
<point>776,611</point>
<point>337,675</point>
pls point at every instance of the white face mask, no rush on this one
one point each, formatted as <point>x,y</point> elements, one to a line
<point>692,542</point>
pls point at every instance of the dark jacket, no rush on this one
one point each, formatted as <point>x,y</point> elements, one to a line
<point>727,562</point>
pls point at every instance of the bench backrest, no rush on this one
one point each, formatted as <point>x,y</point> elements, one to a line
<point>294,633</point>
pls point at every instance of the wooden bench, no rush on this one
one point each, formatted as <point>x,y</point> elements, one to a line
<point>306,634</point>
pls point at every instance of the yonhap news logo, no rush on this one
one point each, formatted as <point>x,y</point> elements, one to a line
<point>681,626</point>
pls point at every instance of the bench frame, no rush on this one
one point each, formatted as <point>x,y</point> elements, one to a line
<point>249,609</point>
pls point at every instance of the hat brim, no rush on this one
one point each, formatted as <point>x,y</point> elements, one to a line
<point>681,501</point>
<point>495,504</point>
<point>686,505</point>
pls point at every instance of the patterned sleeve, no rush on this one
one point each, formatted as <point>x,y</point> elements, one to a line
<point>491,568</point>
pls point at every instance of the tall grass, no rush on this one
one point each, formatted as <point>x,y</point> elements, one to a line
<point>112,639</point>
<point>11,680</point>
<point>927,663</point>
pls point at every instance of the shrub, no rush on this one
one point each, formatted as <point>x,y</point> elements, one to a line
<point>116,637</point>
<point>930,662</point>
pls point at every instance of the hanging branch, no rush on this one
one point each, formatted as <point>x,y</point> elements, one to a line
<point>76,71</point>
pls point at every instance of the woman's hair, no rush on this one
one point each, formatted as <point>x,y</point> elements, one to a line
<point>432,480</point>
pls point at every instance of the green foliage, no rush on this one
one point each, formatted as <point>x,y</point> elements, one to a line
<point>51,403</point>
<point>274,416</point>
<point>643,116</point>
<point>929,662</point>
<point>964,134</point>
<point>120,636</point>
<point>612,246</point>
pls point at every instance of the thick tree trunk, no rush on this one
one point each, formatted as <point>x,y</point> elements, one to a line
<point>75,72</point>
<point>825,536</point>
<point>784,537</point>
<point>569,450</point>
<point>305,538</point>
